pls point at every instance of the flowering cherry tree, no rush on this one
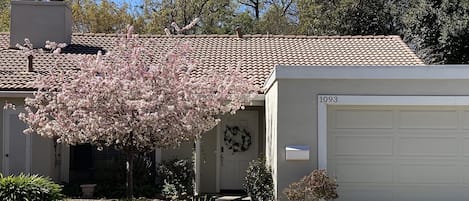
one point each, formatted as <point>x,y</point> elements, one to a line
<point>117,99</point>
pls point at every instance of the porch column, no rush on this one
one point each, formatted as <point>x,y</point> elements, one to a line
<point>157,156</point>
<point>64,162</point>
<point>197,166</point>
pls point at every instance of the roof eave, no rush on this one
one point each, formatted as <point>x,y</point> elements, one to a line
<point>16,93</point>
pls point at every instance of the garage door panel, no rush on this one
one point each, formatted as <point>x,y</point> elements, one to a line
<point>429,193</point>
<point>361,119</point>
<point>428,119</point>
<point>428,174</point>
<point>466,147</point>
<point>363,145</point>
<point>353,172</point>
<point>465,120</point>
<point>347,193</point>
<point>402,193</point>
<point>465,174</point>
<point>428,146</point>
<point>418,154</point>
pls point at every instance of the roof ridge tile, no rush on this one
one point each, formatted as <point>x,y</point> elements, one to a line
<point>392,36</point>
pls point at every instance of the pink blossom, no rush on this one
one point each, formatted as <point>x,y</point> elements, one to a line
<point>119,100</point>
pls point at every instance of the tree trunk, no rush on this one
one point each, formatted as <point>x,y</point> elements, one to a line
<point>130,177</point>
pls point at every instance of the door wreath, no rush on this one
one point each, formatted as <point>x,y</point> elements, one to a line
<point>237,139</point>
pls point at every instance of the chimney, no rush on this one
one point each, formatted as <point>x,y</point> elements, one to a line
<point>30,63</point>
<point>40,21</point>
<point>239,32</point>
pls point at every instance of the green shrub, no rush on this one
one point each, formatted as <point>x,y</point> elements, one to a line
<point>118,190</point>
<point>314,187</point>
<point>178,178</point>
<point>71,190</point>
<point>110,190</point>
<point>29,188</point>
<point>258,182</point>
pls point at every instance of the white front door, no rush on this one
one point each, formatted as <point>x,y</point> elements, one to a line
<point>16,145</point>
<point>238,140</point>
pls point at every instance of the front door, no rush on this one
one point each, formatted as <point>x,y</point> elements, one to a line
<point>238,140</point>
<point>16,145</point>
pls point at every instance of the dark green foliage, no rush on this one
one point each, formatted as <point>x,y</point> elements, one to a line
<point>347,17</point>
<point>4,15</point>
<point>71,190</point>
<point>178,178</point>
<point>111,181</point>
<point>29,188</point>
<point>147,191</point>
<point>117,190</point>
<point>438,30</point>
<point>110,190</point>
<point>258,182</point>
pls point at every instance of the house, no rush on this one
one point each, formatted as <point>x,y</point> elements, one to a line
<point>365,108</point>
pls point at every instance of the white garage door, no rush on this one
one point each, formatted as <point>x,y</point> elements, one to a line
<point>399,153</point>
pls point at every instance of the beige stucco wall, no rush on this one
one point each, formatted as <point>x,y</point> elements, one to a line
<point>42,157</point>
<point>208,161</point>
<point>182,152</point>
<point>271,106</point>
<point>297,113</point>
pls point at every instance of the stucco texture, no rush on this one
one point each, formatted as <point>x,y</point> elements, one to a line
<point>297,113</point>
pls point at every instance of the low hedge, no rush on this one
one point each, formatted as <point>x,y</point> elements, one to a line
<point>29,188</point>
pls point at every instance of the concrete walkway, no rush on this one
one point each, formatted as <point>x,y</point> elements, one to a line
<point>220,198</point>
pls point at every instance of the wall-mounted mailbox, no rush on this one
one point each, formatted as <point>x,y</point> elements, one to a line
<point>297,152</point>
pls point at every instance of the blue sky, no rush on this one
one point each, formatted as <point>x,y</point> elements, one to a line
<point>130,2</point>
<point>133,3</point>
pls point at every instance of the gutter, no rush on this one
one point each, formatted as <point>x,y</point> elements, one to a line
<point>16,94</point>
<point>256,100</point>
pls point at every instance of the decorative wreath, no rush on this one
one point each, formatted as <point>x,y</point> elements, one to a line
<point>236,139</point>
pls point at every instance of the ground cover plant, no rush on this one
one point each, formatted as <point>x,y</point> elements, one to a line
<point>178,179</point>
<point>29,188</point>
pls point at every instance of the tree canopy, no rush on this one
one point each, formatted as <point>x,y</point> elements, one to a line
<point>122,100</point>
<point>4,15</point>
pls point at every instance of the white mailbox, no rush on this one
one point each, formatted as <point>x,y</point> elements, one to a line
<point>297,152</point>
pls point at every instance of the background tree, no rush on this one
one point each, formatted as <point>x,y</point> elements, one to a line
<point>367,17</point>
<point>121,101</point>
<point>215,15</point>
<point>435,29</point>
<point>438,30</point>
<point>4,15</point>
<point>347,17</point>
<point>279,18</point>
<point>104,16</point>
<point>256,7</point>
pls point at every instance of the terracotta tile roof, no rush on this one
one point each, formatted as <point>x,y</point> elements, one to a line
<point>257,54</point>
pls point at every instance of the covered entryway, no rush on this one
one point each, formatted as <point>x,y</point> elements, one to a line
<point>398,153</point>
<point>239,145</point>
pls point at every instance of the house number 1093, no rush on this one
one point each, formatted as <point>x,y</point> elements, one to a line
<point>328,99</point>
